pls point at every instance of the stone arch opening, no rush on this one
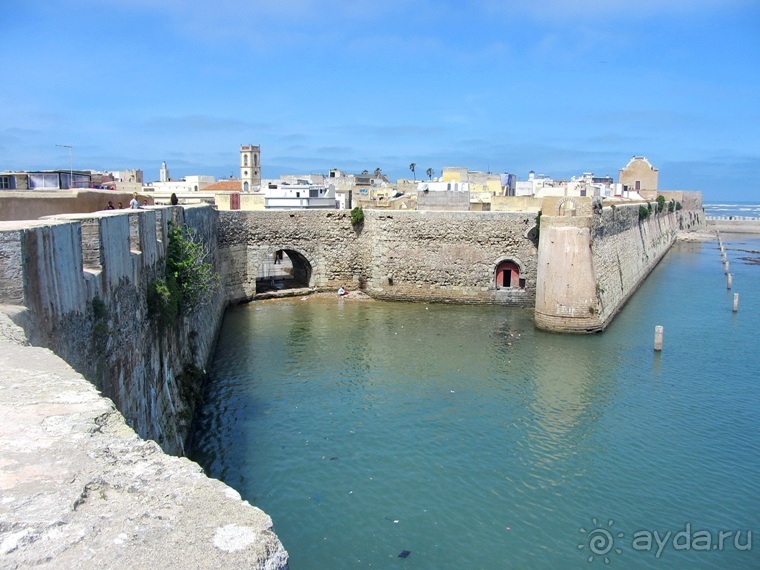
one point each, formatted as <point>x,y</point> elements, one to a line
<point>507,275</point>
<point>567,207</point>
<point>283,269</point>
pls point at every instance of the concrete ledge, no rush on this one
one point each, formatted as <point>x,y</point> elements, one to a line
<point>79,489</point>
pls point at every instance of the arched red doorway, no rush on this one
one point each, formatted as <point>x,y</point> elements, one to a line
<point>508,276</point>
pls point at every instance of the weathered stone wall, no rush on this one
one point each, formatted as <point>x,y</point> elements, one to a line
<point>83,280</point>
<point>624,251</point>
<point>449,256</point>
<point>589,266</point>
<point>565,294</point>
<point>429,256</point>
<point>336,252</point>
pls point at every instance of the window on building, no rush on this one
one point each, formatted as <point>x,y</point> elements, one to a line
<point>245,186</point>
<point>245,160</point>
<point>5,182</point>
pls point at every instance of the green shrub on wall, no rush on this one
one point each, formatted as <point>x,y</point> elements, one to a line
<point>357,216</point>
<point>660,203</point>
<point>644,212</point>
<point>189,281</point>
<point>163,301</point>
<point>187,264</point>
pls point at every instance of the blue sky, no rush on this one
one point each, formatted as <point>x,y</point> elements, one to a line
<point>556,86</point>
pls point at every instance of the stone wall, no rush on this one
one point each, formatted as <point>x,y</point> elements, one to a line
<point>73,472</point>
<point>405,255</point>
<point>80,284</point>
<point>589,266</point>
<point>449,256</point>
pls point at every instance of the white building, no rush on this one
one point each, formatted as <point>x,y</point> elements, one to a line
<point>182,185</point>
<point>534,185</point>
<point>280,195</point>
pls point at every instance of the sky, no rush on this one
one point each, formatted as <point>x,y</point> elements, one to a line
<point>560,87</point>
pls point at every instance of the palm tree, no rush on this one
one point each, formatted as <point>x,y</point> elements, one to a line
<point>412,167</point>
<point>430,172</point>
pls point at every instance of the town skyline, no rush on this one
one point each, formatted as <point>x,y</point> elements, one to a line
<point>489,86</point>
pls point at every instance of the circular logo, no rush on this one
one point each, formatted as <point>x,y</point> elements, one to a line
<point>600,541</point>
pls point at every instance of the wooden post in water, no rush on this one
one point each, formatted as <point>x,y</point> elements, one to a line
<point>658,338</point>
<point>730,275</point>
<point>736,302</point>
<point>726,267</point>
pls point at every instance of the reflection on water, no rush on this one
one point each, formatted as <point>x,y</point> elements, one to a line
<point>471,440</point>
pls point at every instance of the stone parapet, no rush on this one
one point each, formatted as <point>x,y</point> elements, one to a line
<point>81,490</point>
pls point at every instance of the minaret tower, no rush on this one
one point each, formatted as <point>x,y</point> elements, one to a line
<point>164,173</point>
<point>250,168</point>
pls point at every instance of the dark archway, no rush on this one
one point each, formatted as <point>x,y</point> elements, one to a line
<point>283,269</point>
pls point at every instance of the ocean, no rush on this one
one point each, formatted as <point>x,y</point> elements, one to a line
<point>734,210</point>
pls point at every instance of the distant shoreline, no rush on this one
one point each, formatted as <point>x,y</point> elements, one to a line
<point>745,226</point>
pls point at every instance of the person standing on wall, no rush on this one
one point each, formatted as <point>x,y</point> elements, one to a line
<point>134,203</point>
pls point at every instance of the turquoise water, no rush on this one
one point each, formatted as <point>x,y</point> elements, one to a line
<point>469,439</point>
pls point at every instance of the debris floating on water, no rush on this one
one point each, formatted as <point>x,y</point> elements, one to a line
<point>404,554</point>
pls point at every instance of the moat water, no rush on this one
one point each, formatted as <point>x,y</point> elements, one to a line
<point>462,437</point>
